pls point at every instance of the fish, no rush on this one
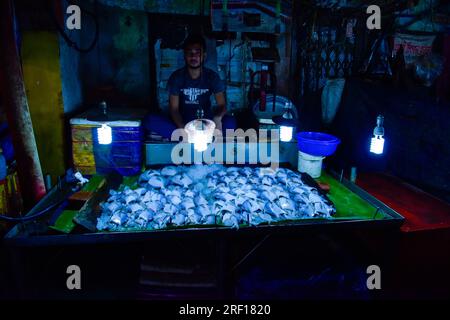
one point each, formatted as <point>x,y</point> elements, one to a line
<point>203,210</point>
<point>114,206</point>
<point>251,206</point>
<point>189,194</point>
<point>214,194</point>
<point>209,219</point>
<point>187,203</point>
<point>140,191</point>
<point>273,209</point>
<point>169,209</point>
<point>156,182</point>
<point>230,220</point>
<point>182,180</point>
<point>147,197</point>
<point>153,205</point>
<point>266,181</point>
<point>119,218</point>
<point>131,197</point>
<point>224,196</point>
<point>268,195</point>
<point>200,200</point>
<point>169,171</point>
<point>136,207</point>
<point>193,217</point>
<point>179,219</point>
<point>144,217</point>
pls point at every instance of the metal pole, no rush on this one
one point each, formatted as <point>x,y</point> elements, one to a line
<point>18,114</point>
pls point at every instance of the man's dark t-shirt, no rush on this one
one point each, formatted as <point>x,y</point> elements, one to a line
<point>194,93</point>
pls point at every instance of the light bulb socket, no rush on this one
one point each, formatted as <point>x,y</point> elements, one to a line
<point>200,113</point>
<point>282,121</point>
<point>103,107</point>
<point>287,119</point>
<point>379,130</point>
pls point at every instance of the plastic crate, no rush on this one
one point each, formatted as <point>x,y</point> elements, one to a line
<point>124,155</point>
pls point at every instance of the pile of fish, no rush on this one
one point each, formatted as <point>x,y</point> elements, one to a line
<point>212,195</point>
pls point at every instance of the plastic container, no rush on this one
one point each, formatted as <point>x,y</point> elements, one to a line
<point>310,164</point>
<point>317,143</point>
<point>125,153</point>
<point>3,166</point>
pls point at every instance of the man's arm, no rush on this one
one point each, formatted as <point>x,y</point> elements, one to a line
<point>220,111</point>
<point>174,109</point>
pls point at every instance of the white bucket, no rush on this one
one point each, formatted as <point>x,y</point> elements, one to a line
<point>310,164</point>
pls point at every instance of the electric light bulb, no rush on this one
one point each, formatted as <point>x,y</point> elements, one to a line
<point>377,145</point>
<point>200,141</point>
<point>104,134</point>
<point>200,133</point>
<point>286,133</point>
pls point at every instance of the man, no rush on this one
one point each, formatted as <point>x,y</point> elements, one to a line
<point>190,89</point>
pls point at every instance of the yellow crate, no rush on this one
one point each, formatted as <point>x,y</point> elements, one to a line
<point>3,198</point>
<point>82,133</point>
<point>83,154</point>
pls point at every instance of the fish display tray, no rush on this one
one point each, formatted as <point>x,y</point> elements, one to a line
<point>213,195</point>
<point>355,208</point>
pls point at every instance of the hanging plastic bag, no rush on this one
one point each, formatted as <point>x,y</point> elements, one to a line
<point>414,46</point>
<point>331,98</point>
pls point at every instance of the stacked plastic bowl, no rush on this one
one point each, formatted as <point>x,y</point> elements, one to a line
<point>317,143</point>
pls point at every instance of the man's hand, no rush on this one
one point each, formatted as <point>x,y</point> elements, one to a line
<point>174,102</point>
<point>221,110</point>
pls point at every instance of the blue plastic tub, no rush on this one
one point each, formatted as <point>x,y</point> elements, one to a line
<point>317,143</point>
<point>124,155</point>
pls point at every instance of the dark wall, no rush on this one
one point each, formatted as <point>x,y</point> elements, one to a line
<point>417,131</point>
<point>117,69</point>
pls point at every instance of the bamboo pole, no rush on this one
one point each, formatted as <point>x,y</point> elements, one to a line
<point>17,111</point>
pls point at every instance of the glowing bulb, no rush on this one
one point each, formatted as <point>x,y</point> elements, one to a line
<point>200,133</point>
<point>200,141</point>
<point>377,142</point>
<point>104,134</point>
<point>377,145</point>
<point>286,133</point>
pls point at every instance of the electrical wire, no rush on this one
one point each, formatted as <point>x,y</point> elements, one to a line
<point>231,54</point>
<point>186,34</point>
<point>42,211</point>
<point>33,216</point>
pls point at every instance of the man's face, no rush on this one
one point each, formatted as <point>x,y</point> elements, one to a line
<point>194,55</point>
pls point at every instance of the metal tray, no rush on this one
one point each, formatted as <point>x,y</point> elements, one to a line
<point>35,233</point>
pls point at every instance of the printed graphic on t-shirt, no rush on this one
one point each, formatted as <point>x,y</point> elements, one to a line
<point>192,94</point>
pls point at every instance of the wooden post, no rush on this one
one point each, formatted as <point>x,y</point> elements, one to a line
<point>18,114</point>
